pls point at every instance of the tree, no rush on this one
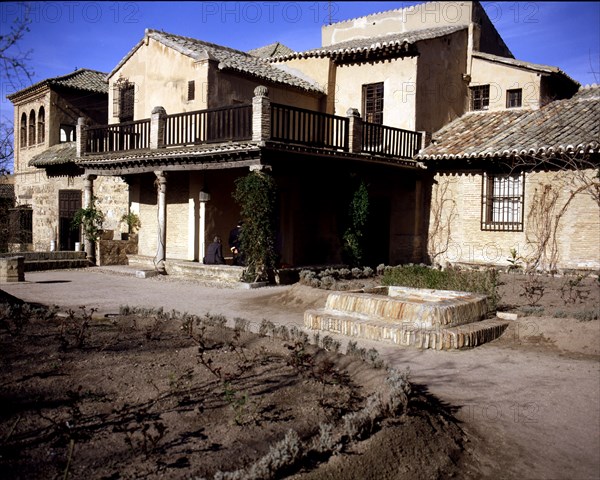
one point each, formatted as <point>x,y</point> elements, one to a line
<point>355,233</point>
<point>16,73</point>
<point>256,193</point>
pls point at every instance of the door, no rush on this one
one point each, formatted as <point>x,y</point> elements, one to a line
<point>69,201</point>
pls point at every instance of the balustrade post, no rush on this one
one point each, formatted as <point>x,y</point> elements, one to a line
<point>355,130</point>
<point>158,122</point>
<point>425,139</point>
<point>261,114</point>
<point>82,135</point>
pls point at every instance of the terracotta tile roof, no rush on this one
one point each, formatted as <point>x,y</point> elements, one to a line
<point>536,67</point>
<point>227,58</point>
<point>273,50</point>
<point>561,126</point>
<point>81,79</point>
<point>395,41</point>
<point>58,154</point>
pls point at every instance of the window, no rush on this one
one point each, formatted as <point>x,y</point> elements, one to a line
<point>41,125</point>
<point>32,128</point>
<point>373,102</point>
<point>514,98</point>
<point>480,97</point>
<point>23,130</point>
<point>67,133</point>
<point>191,90</point>
<point>502,202</point>
<point>123,100</point>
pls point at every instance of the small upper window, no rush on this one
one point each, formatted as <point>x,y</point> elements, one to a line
<point>191,90</point>
<point>514,98</point>
<point>480,97</point>
<point>32,128</point>
<point>123,100</point>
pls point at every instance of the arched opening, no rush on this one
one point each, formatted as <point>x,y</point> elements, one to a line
<point>23,134</point>
<point>41,125</point>
<point>32,128</point>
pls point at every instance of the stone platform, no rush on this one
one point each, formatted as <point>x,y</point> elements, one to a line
<point>437,319</point>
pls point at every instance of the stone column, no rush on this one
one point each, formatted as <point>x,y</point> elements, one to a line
<point>203,197</point>
<point>158,121</point>
<point>355,128</point>
<point>81,134</point>
<point>162,221</point>
<point>88,199</point>
<point>261,115</point>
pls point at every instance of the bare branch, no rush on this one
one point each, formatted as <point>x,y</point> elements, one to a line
<point>15,63</point>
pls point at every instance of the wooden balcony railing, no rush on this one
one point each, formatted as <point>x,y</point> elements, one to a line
<point>390,141</point>
<point>121,136</point>
<point>232,123</point>
<point>291,125</point>
<point>306,127</point>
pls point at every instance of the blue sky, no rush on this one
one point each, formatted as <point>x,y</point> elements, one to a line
<point>68,35</point>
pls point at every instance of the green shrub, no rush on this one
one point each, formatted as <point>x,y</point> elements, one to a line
<point>421,276</point>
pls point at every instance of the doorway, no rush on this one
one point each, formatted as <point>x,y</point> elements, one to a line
<point>69,201</point>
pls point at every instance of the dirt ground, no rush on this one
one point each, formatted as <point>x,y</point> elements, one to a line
<point>524,406</point>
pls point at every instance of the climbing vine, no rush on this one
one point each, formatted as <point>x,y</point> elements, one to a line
<point>256,193</point>
<point>354,236</point>
<point>90,219</point>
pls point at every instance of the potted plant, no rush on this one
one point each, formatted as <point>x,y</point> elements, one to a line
<point>133,224</point>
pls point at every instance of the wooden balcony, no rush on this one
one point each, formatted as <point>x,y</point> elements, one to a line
<point>274,124</point>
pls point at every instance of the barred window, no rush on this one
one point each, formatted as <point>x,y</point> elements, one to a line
<point>373,102</point>
<point>514,98</point>
<point>480,97</point>
<point>502,202</point>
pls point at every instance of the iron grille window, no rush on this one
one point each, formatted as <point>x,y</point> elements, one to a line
<point>514,98</point>
<point>191,90</point>
<point>480,97</point>
<point>373,102</point>
<point>502,202</point>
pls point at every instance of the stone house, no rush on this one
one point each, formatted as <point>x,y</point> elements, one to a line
<point>48,182</point>
<point>186,118</point>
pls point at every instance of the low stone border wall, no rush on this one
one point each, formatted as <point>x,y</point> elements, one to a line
<point>12,269</point>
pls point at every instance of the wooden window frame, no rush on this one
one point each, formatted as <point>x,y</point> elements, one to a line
<point>373,102</point>
<point>480,97</point>
<point>514,98</point>
<point>502,202</point>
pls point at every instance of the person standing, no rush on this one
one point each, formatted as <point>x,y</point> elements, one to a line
<point>235,243</point>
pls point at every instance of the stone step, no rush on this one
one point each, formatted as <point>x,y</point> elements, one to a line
<point>406,333</point>
<point>37,265</point>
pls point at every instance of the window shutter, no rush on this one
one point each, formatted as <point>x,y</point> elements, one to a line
<point>191,90</point>
<point>116,100</point>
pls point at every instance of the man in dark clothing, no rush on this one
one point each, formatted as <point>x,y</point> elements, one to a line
<point>235,243</point>
<point>214,253</point>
